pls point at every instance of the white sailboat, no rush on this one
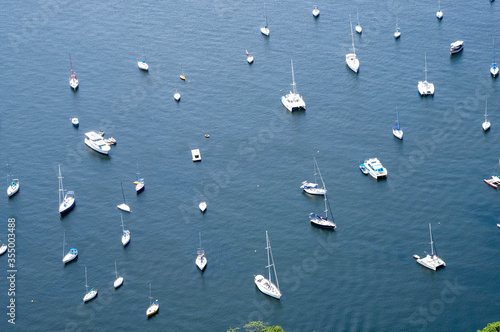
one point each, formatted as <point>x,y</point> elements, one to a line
<point>142,65</point>
<point>396,129</point>
<point>153,306</point>
<point>266,286</point>
<point>323,222</point>
<point>312,187</point>
<point>13,187</point>
<point>125,233</point>
<point>486,123</point>
<point>73,80</point>
<point>315,11</point>
<point>66,201</point>
<point>249,57</point>
<point>139,183</point>
<point>425,88</point>
<point>203,206</point>
<point>265,29</point>
<point>89,295</point>
<point>201,259</point>
<point>3,249</point>
<point>431,261</point>
<point>358,27</point>
<point>124,206</point>
<point>177,96</point>
<point>351,59</point>
<point>439,13</point>
<point>293,101</point>
<point>397,34</point>
<point>494,68</point>
<point>119,280</point>
<point>72,253</point>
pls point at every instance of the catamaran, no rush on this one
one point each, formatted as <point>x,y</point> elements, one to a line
<point>312,187</point>
<point>351,59</point>
<point>425,88</point>
<point>486,123</point>
<point>265,30</point>
<point>266,286</point>
<point>123,206</point>
<point>73,80</point>
<point>293,101</point>
<point>494,68</point>
<point>125,233</point>
<point>396,129</point>
<point>358,27</point>
<point>375,168</point>
<point>201,259</point>
<point>66,202</point>
<point>153,307</point>
<point>323,222</point>
<point>89,295</point>
<point>72,253</point>
<point>431,261</point>
<point>139,183</point>
<point>119,280</point>
<point>13,187</point>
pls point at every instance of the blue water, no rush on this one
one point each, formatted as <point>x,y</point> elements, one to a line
<point>361,277</point>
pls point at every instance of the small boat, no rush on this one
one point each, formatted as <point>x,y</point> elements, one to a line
<point>110,141</point>
<point>182,77</point>
<point>397,34</point>
<point>494,68</point>
<point>3,249</point>
<point>358,27</point>
<point>265,30</point>
<point>486,123</point>
<point>75,122</point>
<point>498,225</point>
<point>195,153</point>
<point>396,129</point>
<point>425,88</point>
<point>177,96</point>
<point>125,234</point>
<point>73,80</point>
<point>96,142</point>
<point>71,254</point>
<point>124,206</point>
<point>456,47</point>
<point>494,182</point>
<point>249,57</point>
<point>351,59</point>
<point>363,169</point>
<point>89,295</point>
<point>153,307</point>
<point>293,101</point>
<point>201,260</point>
<point>416,256</point>
<point>142,65</point>
<point>323,222</point>
<point>431,261</point>
<point>375,168</point>
<point>439,13</point>
<point>139,183</point>
<point>119,280</point>
<point>312,187</point>
<point>315,11</point>
<point>203,206</point>
<point>66,202</point>
<point>13,187</point>
<point>266,286</point>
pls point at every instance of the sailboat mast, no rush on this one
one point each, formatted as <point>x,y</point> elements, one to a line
<point>294,87</point>
<point>432,242</point>
<point>61,190</point>
<point>319,173</point>
<point>64,241</point>
<point>150,297</point>
<point>494,50</point>
<point>200,240</point>
<point>86,286</point>
<point>121,217</point>
<point>265,13</point>
<point>486,111</point>
<point>268,257</point>
<point>123,193</point>
<point>71,64</point>
<point>425,70</point>
<point>116,271</point>
<point>352,37</point>
<point>270,252</point>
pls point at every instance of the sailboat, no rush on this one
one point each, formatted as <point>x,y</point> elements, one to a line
<point>315,11</point>
<point>124,206</point>
<point>3,249</point>
<point>397,34</point>
<point>249,57</point>
<point>72,253</point>
<point>119,280</point>
<point>13,187</point>
<point>89,295</point>
<point>439,13</point>
<point>358,27</point>
<point>351,59</point>
<point>494,182</point>
<point>293,101</point>
<point>203,206</point>
<point>396,129</point>
<point>66,202</point>
<point>431,261</point>
<point>177,95</point>
<point>425,88</point>
<point>73,80</point>
<point>486,123</point>
<point>494,67</point>
<point>265,30</point>
<point>142,65</point>
<point>125,233</point>
<point>312,187</point>
<point>266,286</point>
<point>323,222</point>
<point>201,260</point>
<point>139,183</point>
<point>153,307</point>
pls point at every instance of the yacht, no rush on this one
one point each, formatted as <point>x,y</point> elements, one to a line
<point>249,57</point>
<point>375,168</point>
<point>312,187</point>
<point>73,80</point>
<point>177,96</point>
<point>89,295</point>
<point>430,261</point>
<point>96,142</point>
<point>323,222</point>
<point>293,101</point>
<point>425,88</point>
<point>266,286</point>
<point>75,122</point>
<point>125,234</point>
<point>316,11</point>
<point>358,27</point>
<point>119,280</point>
<point>397,34</point>
<point>13,187</point>
<point>72,254</point>
<point>201,259</point>
<point>265,29</point>
<point>66,202</point>
<point>351,59</point>
<point>456,47</point>
<point>396,129</point>
<point>439,13</point>
<point>494,67</point>
<point>486,123</point>
<point>153,306</point>
<point>142,65</point>
<point>203,206</point>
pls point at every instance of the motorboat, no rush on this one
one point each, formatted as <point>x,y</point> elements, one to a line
<point>363,169</point>
<point>293,101</point>
<point>431,261</point>
<point>142,65</point>
<point>315,11</point>
<point>196,156</point>
<point>110,141</point>
<point>456,47</point>
<point>375,168</point>
<point>266,286</point>
<point>96,142</point>
<point>425,88</point>
<point>75,122</point>
<point>351,59</point>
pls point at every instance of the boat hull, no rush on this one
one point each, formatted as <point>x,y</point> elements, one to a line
<point>66,206</point>
<point>431,262</point>
<point>425,88</point>
<point>398,133</point>
<point>267,287</point>
<point>139,187</point>
<point>13,189</point>
<point>322,222</point>
<point>96,148</point>
<point>3,249</point>
<point>153,309</point>
<point>201,262</point>
<point>494,71</point>
<point>264,31</point>
<point>352,62</point>
<point>124,207</point>
<point>118,282</point>
<point>90,295</point>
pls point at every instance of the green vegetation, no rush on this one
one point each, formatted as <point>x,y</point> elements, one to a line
<point>258,327</point>
<point>492,327</point>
